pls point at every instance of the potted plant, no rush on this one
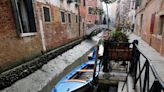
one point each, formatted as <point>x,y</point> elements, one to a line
<point>116,48</point>
<point>117,39</point>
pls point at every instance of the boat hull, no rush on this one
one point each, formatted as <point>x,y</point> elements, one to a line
<point>79,80</point>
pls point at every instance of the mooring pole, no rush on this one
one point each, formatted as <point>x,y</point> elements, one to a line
<point>95,65</point>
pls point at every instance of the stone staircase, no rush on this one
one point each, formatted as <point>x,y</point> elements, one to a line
<point>118,74</point>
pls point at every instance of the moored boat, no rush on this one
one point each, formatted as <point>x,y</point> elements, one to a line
<point>79,79</point>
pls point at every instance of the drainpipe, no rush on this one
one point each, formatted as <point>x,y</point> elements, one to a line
<point>41,27</point>
<point>42,35</point>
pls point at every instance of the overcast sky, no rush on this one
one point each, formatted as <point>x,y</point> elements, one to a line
<point>111,9</point>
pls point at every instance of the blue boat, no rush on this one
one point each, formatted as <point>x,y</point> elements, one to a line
<point>79,79</point>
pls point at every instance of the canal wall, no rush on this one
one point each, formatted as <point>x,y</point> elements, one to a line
<point>44,79</point>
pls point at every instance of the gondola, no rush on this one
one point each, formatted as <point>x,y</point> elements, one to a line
<point>79,79</point>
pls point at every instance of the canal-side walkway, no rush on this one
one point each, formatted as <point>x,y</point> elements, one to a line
<point>45,78</point>
<point>155,58</point>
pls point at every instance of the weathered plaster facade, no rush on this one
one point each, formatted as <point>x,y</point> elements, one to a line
<point>19,48</point>
<point>15,49</point>
<point>57,33</point>
<point>90,18</point>
<point>148,26</point>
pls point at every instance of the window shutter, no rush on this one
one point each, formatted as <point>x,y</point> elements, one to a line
<point>16,16</point>
<point>152,23</point>
<point>31,18</point>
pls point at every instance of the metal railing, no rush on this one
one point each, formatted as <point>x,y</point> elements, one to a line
<point>144,74</point>
<point>92,29</point>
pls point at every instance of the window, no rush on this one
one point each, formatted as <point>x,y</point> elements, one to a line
<point>152,23</point>
<point>62,17</point>
<point>138,3</point>
<point>46,12</point>
<point>76,18</point>
<point>24,16</point>
<point>141,22</point>
<point>80,18</point>
<point>69,18</point>
<point>84,3</point>
<point>161,25</point>
<point>89,10</point>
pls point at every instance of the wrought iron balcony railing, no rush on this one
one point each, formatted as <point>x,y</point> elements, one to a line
<point>144,74</point>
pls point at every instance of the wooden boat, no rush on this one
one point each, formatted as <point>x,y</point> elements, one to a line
<point>79,79</point>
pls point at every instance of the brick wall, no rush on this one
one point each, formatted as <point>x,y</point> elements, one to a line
<point>90,18</point>
<point>147,8</point>
<point>82,8</point>
<point>14,50</point>
<point>57,33</point>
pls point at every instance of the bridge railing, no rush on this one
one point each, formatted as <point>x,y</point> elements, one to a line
<point>92,29</point>
<point>145,77</point>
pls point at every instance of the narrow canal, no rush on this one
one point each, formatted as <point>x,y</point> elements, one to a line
<point>44,79</point>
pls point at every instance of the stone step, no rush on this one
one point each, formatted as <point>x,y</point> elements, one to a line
<point>130,84</point>
<point>112,77</point>
<point>117,67</point>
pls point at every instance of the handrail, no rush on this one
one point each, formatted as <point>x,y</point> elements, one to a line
<point>152,67</point>
<point>137,71</point>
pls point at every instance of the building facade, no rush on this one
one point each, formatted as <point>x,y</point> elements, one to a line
<point>82,17</point>
<point>122,13</point>
<point>30,27</point>
<point>90,16</point>
<point>132,14</point>
<point>150,23</point>
<point>17,45</point>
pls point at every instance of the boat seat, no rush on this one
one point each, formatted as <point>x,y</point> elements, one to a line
<point>85,70</point>
<point>75,80</point>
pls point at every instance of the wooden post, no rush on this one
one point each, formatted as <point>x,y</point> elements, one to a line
<point>95,65</point>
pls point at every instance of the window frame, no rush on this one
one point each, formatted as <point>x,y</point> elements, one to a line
<point>49,13</point>
<point>84,3</point>
<point>69,19</point>
<point>88,10</point>
<point>160,31</point>
<point>141,21</point>
<point>64,17</point>
<point>77,19</point>
<point>19,26</point>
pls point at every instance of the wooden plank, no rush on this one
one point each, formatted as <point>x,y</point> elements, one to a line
<point>85,70</point>
<point>75,80</point>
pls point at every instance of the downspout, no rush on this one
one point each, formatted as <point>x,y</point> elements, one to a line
<point>41,28</point>
<point>42,35</point>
